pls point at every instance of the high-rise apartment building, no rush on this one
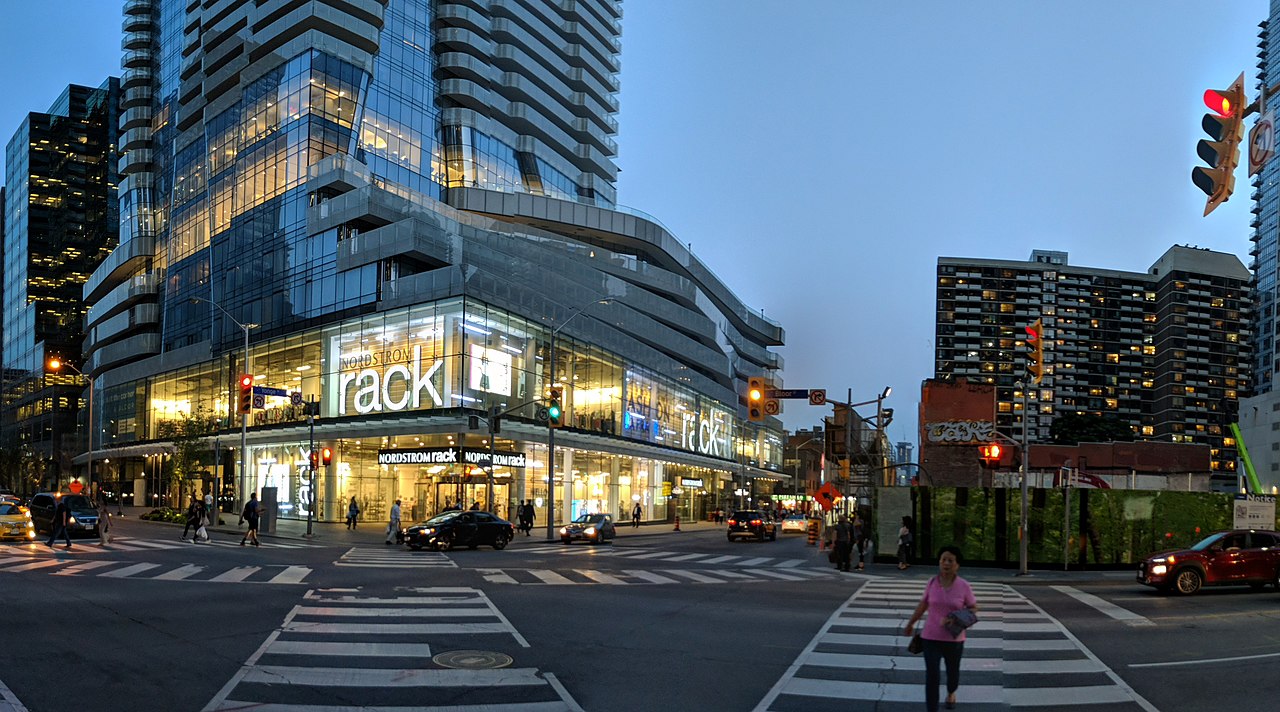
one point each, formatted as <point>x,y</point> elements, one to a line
<point>1165,352</point>
<point>409,206</point>
<point>59,224</point>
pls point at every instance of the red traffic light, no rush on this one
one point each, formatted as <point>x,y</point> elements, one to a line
<point>1033,334</point>
<point>1219,103</point>
<point>989,454</point>
<point>326,456</point>
<point>246,381</point>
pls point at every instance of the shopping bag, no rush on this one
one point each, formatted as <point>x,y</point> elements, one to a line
<point>958,621</point>
<point>916,646</point>
<point>202,534</point>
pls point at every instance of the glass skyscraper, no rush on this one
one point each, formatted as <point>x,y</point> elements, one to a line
<point>59,224</point>
<point>410,206</point>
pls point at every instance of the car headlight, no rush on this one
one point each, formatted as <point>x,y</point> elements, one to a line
<point>590,531</point>
<point>72,520</point>
<point>1159,570</point>
<point>428,531</point>
<point>564,530</point>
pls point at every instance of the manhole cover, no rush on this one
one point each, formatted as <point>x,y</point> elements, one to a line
<point>472,660</point>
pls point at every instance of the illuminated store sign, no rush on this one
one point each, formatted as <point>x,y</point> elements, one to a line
<point>690,482</point>
<point>707,435</point>
<point>448,456</point>
<point>397,387</point>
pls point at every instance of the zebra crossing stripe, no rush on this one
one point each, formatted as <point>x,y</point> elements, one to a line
<point>353,648</point>
<point>686,557</point>
<point>721,559</point>
<point>38,564</point>
<point>291,574</point>
<point>755,562</point>
<point>550,577</point>
<point>694,576</point>
<point>129,570</point>
<point>374,677</point>
<point>779,575</point>
<point>82,567</point>
<point>180,573</point>
<point>649,576</point>
<point>600,577</point>
<point>236,575</point>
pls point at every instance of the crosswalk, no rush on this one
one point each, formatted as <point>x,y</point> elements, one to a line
<point>577,577</point>
<point>105,568</point>
<point>340,650</point>
<point>394,558</point>
<point>684,557</point>
<point>1016,656</point>
<point>119,544</point>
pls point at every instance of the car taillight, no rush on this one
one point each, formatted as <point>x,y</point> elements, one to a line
<point>733,522</point>
<point>756,522</point>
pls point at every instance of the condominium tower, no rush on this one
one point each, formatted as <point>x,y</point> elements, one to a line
<point>409,207</point>
<point>1165,352</point>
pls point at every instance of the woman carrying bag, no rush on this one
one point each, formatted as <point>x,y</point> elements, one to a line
<point>952,608</point>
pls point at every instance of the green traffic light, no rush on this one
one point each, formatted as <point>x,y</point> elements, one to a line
<point>554,411</point>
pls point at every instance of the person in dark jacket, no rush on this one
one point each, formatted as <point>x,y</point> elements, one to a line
<point>61,518</point>
<point>252,510</point>
<point>842,542</point>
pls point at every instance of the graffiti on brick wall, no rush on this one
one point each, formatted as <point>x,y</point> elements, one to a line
<point>960,431</point>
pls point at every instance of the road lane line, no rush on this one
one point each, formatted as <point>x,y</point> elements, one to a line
<point>600,577</point>
<point>496,576</point>
<point>292,574</point>
<point>350,647</point>
<point>550,577</point>
<point>1205,661</point>
<point>395,628</point>
<point>1105,607</point>
<point>236,575</point>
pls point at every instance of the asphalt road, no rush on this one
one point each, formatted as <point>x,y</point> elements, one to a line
<point>681,622</point>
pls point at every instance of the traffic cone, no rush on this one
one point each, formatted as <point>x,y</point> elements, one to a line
<point>677,523</point>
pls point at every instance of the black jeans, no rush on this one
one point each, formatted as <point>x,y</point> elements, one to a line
<point>936,651</point>
<point>843,549</point>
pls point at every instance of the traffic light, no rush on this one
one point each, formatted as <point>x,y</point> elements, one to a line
<point>1035,342</point>
<point>314,460</point>
<point>555,413</point>
<point>989,454</point>
<point>1225,125</point>
<point>245,405</point>
<point>326,456</point>
<point>755,399</point>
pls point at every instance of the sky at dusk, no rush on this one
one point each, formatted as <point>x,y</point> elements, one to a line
<point>820,155</point>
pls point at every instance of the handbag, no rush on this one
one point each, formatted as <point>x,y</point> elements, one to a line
<point>916,646</point>
<point>831,556</point>
<point>958,621</point>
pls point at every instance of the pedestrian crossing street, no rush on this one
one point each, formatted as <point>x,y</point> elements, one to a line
<point>572,577</point>
<point>684,557</point>
<point>394,557</point>
<point>340,650</point>
<point>1016,656</point>
<point>70,564</point>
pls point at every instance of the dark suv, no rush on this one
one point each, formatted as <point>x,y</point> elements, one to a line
<point>84,516</point>
<point>752,523</point>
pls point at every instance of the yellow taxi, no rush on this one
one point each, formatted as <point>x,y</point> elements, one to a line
<point>15,522</point>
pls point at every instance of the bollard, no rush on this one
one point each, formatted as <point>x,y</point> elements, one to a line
<point>813,532</point>
<point>677,523</point>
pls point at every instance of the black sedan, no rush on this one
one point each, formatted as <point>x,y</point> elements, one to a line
<point>452,529</point>
<point>591,528</point>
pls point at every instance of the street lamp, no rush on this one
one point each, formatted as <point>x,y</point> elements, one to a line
<point>551,432</point>
<point>795,482</point>
<point>56,364</point>
<point>244,417</point>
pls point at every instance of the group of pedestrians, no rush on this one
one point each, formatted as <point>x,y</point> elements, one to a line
<point>846,536</point>
<point>198,520</point>
<point>62,524</point>
<point>524,516</point>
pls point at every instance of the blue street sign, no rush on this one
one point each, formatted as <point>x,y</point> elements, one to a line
<point>266,391</point>
<point>787,393</point>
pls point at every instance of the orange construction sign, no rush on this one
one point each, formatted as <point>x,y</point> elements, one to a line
<point>827,495</point>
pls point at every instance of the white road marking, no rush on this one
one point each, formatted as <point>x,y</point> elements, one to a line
<point>649,576</point>
<point>600,577</point>
<point>1205,661</point>
<point>1105,607</point>
<point>236,575</point>
<point>292,574</point>
<point>129,570</point>
<point>180,573</point>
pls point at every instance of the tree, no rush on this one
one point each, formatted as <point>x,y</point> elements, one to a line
<point>1075,428</point>
<point>20,467</point>
<point>188,433</point>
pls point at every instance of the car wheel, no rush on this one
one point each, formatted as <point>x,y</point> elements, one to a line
<point>444,543</point>
<point>730,537</point>
<point>1257,585</point>
<point>761,537</point>
<point>1188,581</point>
<point>565,541</point>
<point>501,542</point>
<point>773,536</point>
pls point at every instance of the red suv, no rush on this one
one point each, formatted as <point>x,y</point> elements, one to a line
<point>1239,556</point>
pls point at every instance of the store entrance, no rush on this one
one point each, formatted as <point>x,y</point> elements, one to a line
<point>465,493</point>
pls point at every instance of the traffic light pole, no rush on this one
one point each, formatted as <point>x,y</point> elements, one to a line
<point>1022,527</point>
<point>312,461</point>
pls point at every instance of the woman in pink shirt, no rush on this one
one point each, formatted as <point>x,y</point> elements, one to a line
<point>945,594</point>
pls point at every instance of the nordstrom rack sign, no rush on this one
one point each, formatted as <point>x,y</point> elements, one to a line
<point>448,456</point>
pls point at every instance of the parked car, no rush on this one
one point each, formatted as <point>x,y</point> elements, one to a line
<point>452,529</point>
<point>1239,556</point>
<point>84,516</point>
<point>795,523</point>
<point>591,528</point>
<point>15,522</point>
<point>752,523</point>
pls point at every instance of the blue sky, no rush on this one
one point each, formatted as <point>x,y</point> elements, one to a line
<point>820,155</point>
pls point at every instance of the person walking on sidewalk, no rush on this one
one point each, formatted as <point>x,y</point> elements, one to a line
<point>905,539</point>
<point>945,595</point>
<point>860,540</point>
<point>61,517</point>
<point>636,513</point>
<point>252,510</point>
<point>393,527</point>
<point>842,542</point>
<point>353,511</point>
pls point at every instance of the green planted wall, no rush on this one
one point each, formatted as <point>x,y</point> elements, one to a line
<point>1120,527</point>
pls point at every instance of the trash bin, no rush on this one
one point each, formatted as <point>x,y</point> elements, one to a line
<point>270,511</point>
